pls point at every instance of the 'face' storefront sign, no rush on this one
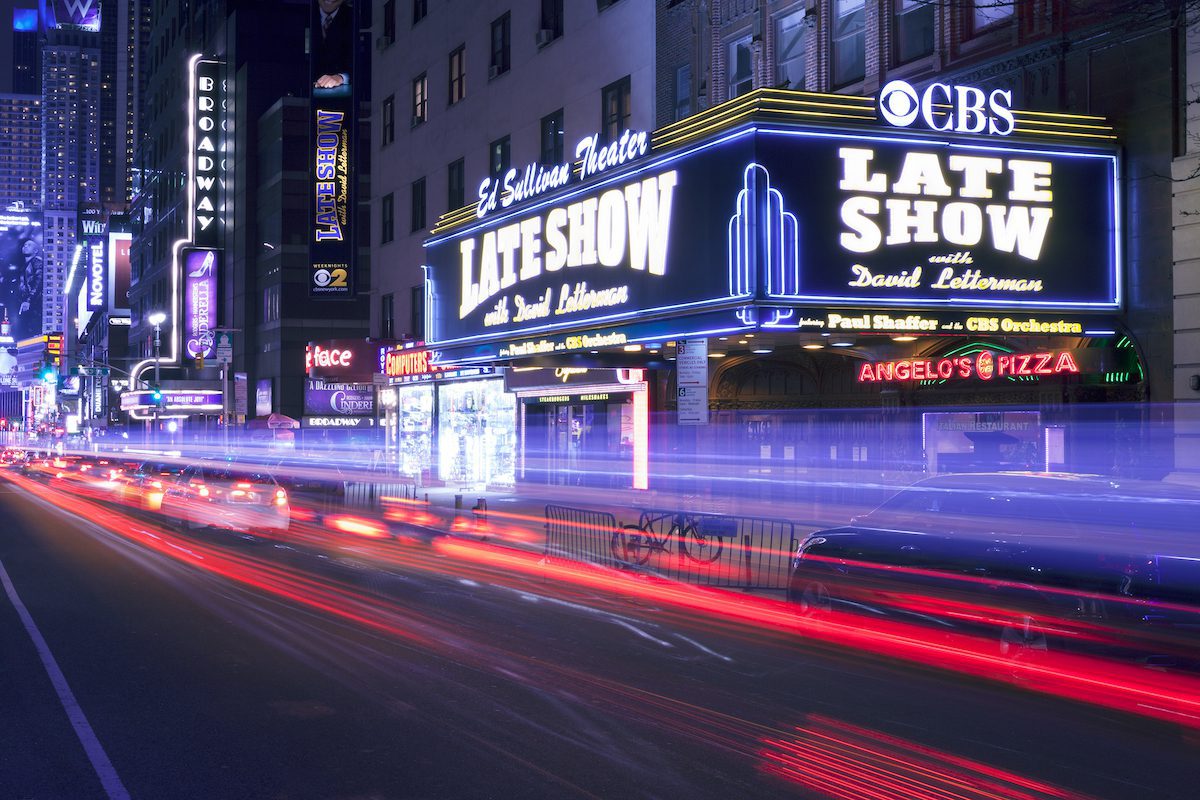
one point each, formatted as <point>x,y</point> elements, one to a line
<point>871,221</point>
<point>200,272</point>
<point>347,360</point>
<point>984,365</point>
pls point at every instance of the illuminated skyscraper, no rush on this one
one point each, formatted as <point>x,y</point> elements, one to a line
<point>71,98</point>
<point>21,149</point>
<point>26,50</point>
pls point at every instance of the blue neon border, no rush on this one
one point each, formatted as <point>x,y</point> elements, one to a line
<point>751,129</point>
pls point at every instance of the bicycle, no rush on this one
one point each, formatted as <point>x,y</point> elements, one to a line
<point>633,544</point>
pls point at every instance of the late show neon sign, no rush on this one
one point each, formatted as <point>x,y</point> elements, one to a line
<point>594,158</point>
<point>624,226</point>
<point>961,205</point>
<point>984,366</point>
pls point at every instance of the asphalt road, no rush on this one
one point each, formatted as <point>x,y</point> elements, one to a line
<point>211,667</point>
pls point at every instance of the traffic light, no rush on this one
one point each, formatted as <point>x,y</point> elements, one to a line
<point>156,395</point>
<point>200,361</point>
<point>48,374</point>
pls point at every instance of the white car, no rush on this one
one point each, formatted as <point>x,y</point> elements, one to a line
<point>223,495</point>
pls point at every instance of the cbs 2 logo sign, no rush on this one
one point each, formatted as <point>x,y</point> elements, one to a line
<point>335,278</point>
<point>962,109</point>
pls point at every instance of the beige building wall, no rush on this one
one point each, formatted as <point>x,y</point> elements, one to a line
<point>1186,255</point>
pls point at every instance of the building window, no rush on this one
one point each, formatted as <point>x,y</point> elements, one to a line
<point>849,42</point>
<point>420,99</point>
<point>683,92</point>
<point>417,216</point>
<point>387,218</point>
<point>388,134</point>
<point>616,108</point>
<point>499,157</point>
<point>990,12</point>
<point>389,21</point>
<point>417,312</point>
<point>914,30</point>
<point>603,4</point>
<point>741,68</point>
<point>387,316</point>
<point>420,9</point>
<point>553,138</point>
<point>552,21</point>
<point>458,74</point>
<point>456,196</point>
<point>789,51</point>
<point>501,34</point>
<point>271,304</point>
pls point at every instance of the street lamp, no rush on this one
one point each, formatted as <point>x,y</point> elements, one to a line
<point>157,319</point>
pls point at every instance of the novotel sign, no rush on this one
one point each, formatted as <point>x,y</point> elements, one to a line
<point>941,107</point>
<point>983,365</point>
<point>97,276</point>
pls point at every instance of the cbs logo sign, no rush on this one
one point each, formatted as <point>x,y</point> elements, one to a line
<point>962,109</point>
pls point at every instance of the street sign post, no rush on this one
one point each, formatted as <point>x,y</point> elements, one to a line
<point>224,344</point>
<point>223,350</point>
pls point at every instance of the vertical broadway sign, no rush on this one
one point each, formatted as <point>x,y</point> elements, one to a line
<point>207,155</point>
<point>333,148</point>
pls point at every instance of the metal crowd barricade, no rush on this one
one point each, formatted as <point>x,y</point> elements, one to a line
<point>580,534</point>
<point>367,494</point>
<point>755,552</point>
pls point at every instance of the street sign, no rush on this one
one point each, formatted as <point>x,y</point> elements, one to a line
<point>691,364</point>
<point>224,342</point>
<point>92,371</point>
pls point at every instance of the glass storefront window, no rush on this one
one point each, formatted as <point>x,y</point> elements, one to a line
<point>476,433</point>
<point>414,424</point>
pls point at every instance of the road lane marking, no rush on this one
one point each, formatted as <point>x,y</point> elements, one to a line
<point>83,729</point>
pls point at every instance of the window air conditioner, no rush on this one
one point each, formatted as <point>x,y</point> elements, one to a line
<point>493,71</point>
<point>544,37</point>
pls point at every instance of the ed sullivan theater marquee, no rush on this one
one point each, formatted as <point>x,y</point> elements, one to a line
<point>932,213</point>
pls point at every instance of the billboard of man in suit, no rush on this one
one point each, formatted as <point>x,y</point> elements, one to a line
<point>333,44</point>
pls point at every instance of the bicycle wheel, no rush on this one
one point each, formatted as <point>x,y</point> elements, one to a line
<point>696,546</point>
<point>629,545</point>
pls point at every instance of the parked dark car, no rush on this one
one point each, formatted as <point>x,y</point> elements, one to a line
<point>1038,562</point>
